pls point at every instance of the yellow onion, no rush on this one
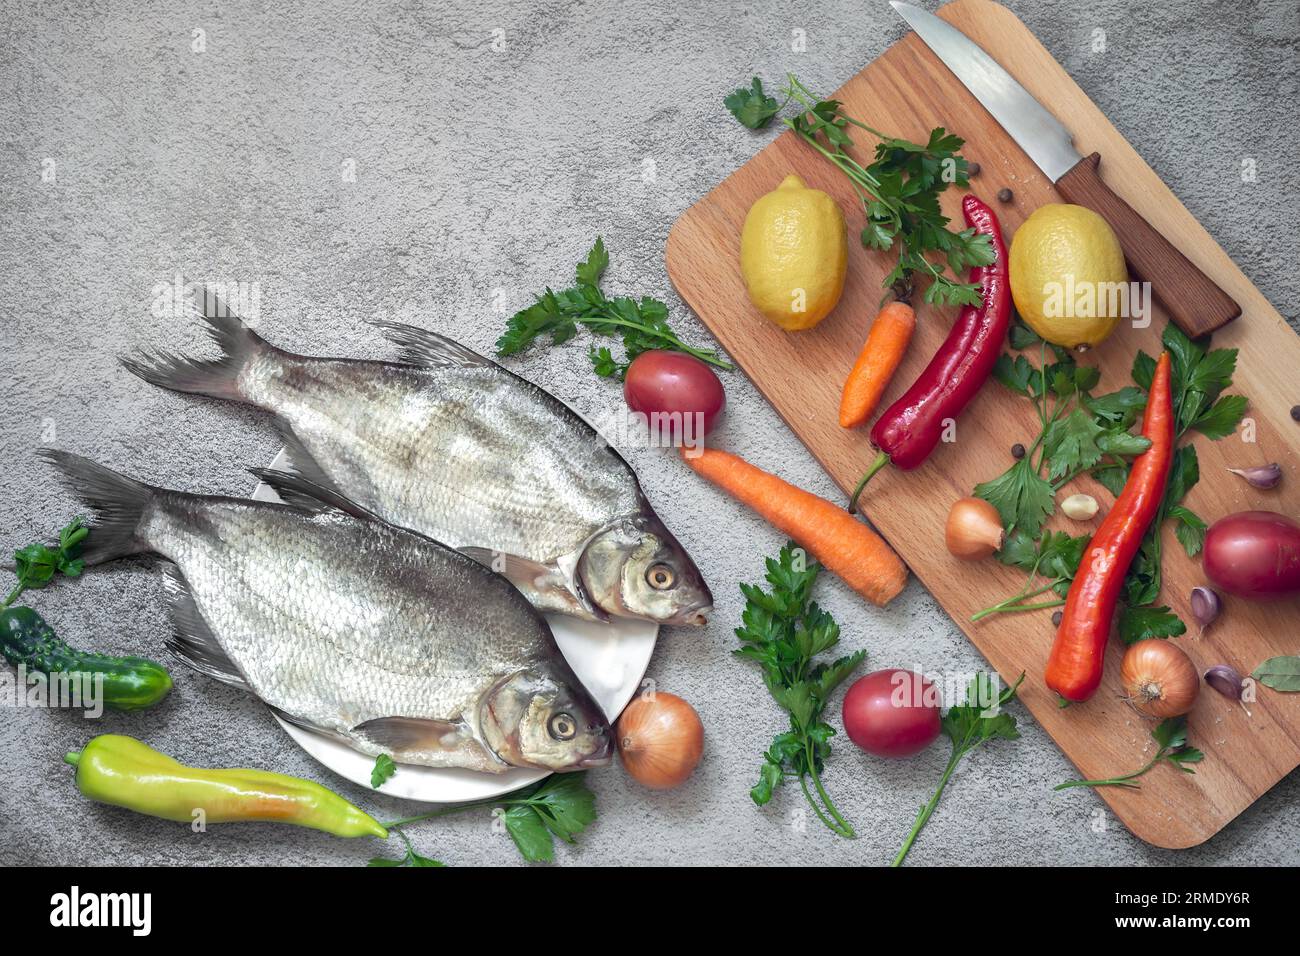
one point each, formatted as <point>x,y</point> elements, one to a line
<point>660,739</point>
<point>974,529</point>
<point>1159,678</point>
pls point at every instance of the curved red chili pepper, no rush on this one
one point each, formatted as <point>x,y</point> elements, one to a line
<point>910,428</point>
<point>1075,666</point>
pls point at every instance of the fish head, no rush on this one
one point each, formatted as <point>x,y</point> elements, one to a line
<point>636,568</point>
<point>545,719</point>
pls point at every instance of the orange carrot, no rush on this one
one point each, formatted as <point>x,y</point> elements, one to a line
<point>877,363</point>
<point>834,537</point>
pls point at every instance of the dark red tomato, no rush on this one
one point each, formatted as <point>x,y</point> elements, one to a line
<point>892,713</point>
<point>678,394</point>
<point>1254,554</point>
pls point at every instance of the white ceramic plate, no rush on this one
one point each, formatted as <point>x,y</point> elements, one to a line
<point>610,659</point>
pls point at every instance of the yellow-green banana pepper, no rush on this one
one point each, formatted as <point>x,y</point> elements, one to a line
<point>124,772</point>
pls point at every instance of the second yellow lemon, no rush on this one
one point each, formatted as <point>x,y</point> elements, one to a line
<point>1067,275</point>
<point>793,254</point>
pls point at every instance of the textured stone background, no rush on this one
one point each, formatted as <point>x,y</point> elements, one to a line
<point>480,176</point>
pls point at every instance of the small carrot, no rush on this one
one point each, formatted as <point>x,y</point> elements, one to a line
<point>842,543</point>
<point>877,362</point>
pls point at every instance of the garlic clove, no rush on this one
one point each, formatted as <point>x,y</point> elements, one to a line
<point>1226,680</point>
<point>1079,507</point>
<point>1206,606</point>
<point>1260,476</point>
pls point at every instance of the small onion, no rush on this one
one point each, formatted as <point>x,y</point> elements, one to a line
<point>1205,606</point>
<point>974,529</point>
<point>1226,680</point>
<point>1159,678</point>
<point>660,739</point>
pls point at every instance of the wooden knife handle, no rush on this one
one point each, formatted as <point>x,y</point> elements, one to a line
<point>1191,298</point>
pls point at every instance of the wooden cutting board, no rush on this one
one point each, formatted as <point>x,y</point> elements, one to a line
<point>907,91</point>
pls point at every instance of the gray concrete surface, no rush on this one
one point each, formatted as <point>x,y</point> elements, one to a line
<point>484,165</point>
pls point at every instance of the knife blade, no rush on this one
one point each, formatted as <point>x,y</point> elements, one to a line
<point>1040,134</point>
<point>1192,299</point>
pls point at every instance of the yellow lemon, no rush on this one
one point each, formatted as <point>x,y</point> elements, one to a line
<point>793,254</point>
<point>1067,275</point>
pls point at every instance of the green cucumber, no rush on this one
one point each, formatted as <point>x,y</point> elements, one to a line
<point>130,683</point>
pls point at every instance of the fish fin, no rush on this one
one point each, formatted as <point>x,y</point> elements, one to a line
<point>303,492</point>
<point>305,724</point>
<point>418,346</point>
<point>119,504</point>
<point>218,378</point>
<point>547,586</point>
<point>193,642</point>
<point>302,463</point>
<point>412,733</point>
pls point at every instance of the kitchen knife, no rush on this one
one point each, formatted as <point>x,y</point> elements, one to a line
<point>1191,298</point>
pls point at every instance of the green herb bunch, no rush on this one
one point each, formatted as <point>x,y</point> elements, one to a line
<point>784,631</point>
<point>642,324</point>
<point>968,726</point>
<point>559,807</point>
<point>1085,434</point>
<point>1172,747</point>
<point>899,190</point>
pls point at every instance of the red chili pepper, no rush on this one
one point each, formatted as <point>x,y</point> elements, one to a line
<point>1074,669</point>
<point>910,428</point>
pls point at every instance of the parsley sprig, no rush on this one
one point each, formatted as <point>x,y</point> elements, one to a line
<point>641,324</point>
<point>37,563</point>
<point>783,631</point>
<point>899,191</point>
<point>968,726</point>
<point>1082,433</point>
<point>559,807</point>
<point>1171,747</point>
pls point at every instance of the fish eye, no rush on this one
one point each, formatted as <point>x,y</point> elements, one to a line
<point>660,577</point>
<point>562,727</point>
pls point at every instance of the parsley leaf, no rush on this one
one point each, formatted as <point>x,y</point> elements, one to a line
<point>383,771</point>
<point>1190,530</point>
<point>1222,418</point>
<point>1139,623</point>
<point>642,324</point>
<point>969,725</point>
<point>783,631</point>
<point>752,107</point>
<point>1024,498</point>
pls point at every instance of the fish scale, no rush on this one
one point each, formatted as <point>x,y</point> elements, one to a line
<point>275,586</point>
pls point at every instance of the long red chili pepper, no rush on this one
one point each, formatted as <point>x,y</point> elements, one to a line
<point>910,428</point>
<point>1074,669</point>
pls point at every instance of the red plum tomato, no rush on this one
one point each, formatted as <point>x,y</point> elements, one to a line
<point>683,392</point>
<point>892,713</point>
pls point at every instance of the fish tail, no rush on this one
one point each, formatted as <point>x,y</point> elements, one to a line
<point>119,504</point>
<point>219,378</point>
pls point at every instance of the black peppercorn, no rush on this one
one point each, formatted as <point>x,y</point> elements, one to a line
<point>1005,195</point>
<point>1017,451</point>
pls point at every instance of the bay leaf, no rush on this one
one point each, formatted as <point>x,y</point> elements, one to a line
<point>1279,673</point>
